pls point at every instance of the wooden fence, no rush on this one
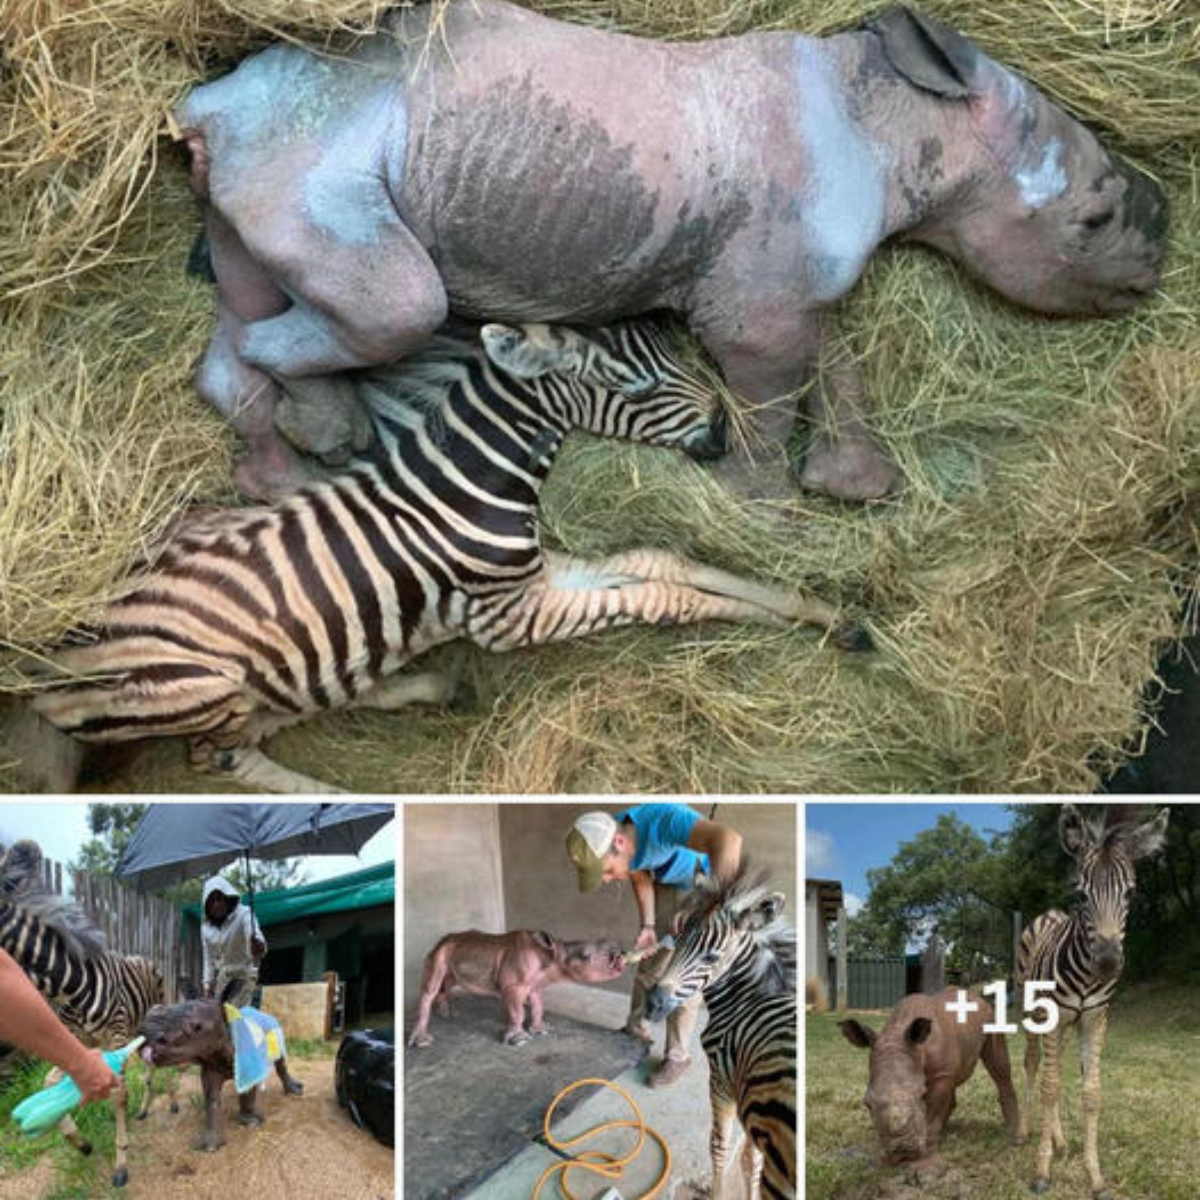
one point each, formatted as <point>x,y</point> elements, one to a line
<point>135,924</point>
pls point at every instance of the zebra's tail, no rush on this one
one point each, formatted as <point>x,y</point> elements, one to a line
<point>43,758</point>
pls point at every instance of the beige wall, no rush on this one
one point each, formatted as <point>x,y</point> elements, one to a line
<point>452,878</point>
<point>504,866</point>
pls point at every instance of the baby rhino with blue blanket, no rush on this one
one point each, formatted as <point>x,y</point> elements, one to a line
<point>228,1043</point>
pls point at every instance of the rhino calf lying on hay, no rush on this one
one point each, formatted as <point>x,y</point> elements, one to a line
<point>510,166</point>
<point>922,1056</point>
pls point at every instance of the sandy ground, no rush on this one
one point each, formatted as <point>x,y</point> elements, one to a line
<point>308,1147</point>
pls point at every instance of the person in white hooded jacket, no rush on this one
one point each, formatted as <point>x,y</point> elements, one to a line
<point>233,943</point>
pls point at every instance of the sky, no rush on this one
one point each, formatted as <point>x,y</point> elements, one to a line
<point>843,841</point>
<point>61,828</point>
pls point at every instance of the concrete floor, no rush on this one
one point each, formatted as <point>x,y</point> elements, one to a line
<point>680,1113</point>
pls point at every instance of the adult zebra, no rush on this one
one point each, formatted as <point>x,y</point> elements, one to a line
<point>1082,954</point>
<point>735,947</point>
<point>254,618</point>
<point>101,996</point>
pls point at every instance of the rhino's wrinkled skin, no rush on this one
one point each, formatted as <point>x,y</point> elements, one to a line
<point>515,966</point>
<point>918,1061</point>
<point>194,1031</point>
<point>521,168</point>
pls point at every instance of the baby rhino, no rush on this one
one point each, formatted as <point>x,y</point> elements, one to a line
<point>515,966</point>
<point>918,1061</point>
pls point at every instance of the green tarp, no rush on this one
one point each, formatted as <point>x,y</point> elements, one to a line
<point>367,888</point>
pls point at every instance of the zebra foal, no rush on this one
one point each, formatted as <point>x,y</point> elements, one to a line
<point>257,617</point>
<point>735,947</point>
<point>102,997</point>
<point>1082,953</point>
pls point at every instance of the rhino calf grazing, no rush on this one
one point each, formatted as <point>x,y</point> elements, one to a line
<point>485,160</point>
<point>199,1031</point>
<point>918,1061</point>
<point>515,966</point>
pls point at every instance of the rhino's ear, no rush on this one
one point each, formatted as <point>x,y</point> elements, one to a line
<point>862,1036</point>
<point>918,1031</point>
<point>544,939</point>
<point>929,55</point>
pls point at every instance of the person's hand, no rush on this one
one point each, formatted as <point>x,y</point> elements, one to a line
<point>257,947</point>
<point>93,1076</point>
<point>647,939</point>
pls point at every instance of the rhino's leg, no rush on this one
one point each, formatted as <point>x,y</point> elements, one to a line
<point>212,1137</point>
<point>358,299</point>
<point>995,1059</point>
<point>291,1085</point>
<point>248,1113</point>
<point>843,460</point>
<point>245,395</point>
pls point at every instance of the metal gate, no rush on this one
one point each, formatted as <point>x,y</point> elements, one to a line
<point>875,982</point>
<point>981,939</point>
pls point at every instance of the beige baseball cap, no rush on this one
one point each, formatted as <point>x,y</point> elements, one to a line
<point>589,840</point>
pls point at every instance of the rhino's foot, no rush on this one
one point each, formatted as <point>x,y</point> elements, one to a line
<point>208,1142</point>
<point>765,479</point>
<point>849,469</point>
<point>293,1087</point>
<point>1102,1194</point>
<point>272,470</point>
<point>516,1037</point>
<point>120,1177</point>
<point>322,416</point>
<point>540,1031</point>
<point>1040,1185</point>
<point>420,1038</point>
<point>249,1118</point>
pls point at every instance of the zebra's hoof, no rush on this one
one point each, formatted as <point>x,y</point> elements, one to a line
<point>1102,1194</point>
<point>120,1178</point>
<point>142,1116</point>
<point>84,1147</point>
<point>1040,1185</point>
<point>852,637</point>
<point>174,1107</point>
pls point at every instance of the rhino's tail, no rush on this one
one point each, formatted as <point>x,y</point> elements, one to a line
<point>43,758</point>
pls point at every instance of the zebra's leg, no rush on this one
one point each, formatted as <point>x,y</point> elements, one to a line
<point>250,766</point>
<point>752,1168</point>
<point>148,1095</point>
<point>120,1174</point>
<point>995,1059</point>
<point>429,687</point>
<point>1092,1029</point>
<point>1033,1058</point>
<point>724,1117</point>
<point>658,588</point>
<point>1052,1138</point>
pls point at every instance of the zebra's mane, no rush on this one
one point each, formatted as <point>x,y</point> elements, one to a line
<point>775,965</point>
<point>21,886</point>
<point>421,381</point>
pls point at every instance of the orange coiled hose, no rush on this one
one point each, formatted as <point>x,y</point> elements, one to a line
<point>607,1165</point>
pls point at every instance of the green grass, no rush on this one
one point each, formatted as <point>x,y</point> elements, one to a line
<point>76,1176</point>
<point>1149,1127</point>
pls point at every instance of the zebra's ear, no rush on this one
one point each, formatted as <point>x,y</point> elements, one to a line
<point>519,350</point>
<point>1148,838</point>
<point>1074,834</point>
<point>862,1036</point>
<point>764,912</point>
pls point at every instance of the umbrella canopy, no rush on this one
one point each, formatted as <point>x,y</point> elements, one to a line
<point>174,842</point>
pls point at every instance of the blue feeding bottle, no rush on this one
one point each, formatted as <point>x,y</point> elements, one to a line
<point>43,1110</point>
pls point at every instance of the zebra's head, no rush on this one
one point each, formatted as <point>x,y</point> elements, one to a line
<point>620,381</point>
<point>1105,855</point>
<point>727,929</point>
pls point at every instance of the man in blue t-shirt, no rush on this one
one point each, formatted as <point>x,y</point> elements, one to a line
<point>659,848</point>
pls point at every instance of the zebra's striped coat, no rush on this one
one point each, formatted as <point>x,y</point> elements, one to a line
<point>735,947</point>
<point>253,618</point>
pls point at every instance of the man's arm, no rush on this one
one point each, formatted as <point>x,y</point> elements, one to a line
<point>209,972</point>
<point>643,892</point>
<point>722,845</point>
<point>27,1021</point>
<point>258,943</point>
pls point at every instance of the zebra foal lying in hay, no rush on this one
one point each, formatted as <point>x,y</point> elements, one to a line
<point>254,618</point>
<point>102,997</point>
<point>735,947</point>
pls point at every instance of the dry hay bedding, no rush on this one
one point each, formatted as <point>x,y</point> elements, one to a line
<point>1020,591</point>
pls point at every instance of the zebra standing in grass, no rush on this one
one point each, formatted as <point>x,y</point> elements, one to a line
<point>735,947</point>
<point>254,618</point>
<point>1082,953</point>
<point>102,997</point>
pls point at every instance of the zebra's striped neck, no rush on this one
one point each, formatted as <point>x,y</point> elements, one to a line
<point>755,968</point>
